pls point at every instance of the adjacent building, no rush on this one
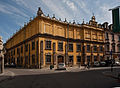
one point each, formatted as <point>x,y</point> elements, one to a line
<point>112,43</point>
<point>112,36</point>
<point>45,41</point>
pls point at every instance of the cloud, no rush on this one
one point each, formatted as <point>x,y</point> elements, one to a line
<point>83,6</point>
<point>2,9</point>
<point>58,9</point>
<point>4,34</point>
<point>70,4</point>
<point>12,10</point>
<point>103,14</point>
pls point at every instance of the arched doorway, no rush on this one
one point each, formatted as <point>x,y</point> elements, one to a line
<point>60,59</point>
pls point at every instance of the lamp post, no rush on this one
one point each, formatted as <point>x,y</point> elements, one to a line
<point>2,51</point>
<point>111,61</point>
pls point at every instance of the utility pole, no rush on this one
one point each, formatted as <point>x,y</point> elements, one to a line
<point>67,43</point>
<point>111,61</point>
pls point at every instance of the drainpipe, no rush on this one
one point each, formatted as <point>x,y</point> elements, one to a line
<point>67,43</point>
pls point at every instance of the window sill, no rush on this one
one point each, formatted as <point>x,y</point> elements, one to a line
<point>47,49</point>
<point>95,52</point>
<point>70,50</point>
<point>60,50</point>
<point>78,51</point>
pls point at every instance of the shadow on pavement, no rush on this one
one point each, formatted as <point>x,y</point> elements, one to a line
<point>88,79</point>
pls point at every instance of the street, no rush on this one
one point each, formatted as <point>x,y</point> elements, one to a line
<point>84,79</point>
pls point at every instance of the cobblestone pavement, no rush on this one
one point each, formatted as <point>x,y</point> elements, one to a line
<point>11,72</point>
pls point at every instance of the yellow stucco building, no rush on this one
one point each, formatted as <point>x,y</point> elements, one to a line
<point>44,41</point>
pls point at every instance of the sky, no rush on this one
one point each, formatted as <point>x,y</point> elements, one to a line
<point>14,13</point>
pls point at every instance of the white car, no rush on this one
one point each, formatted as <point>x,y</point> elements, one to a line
<point>61,66</point>
<point>117,63</point>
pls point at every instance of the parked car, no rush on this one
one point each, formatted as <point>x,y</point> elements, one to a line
<point>7,65</point>
<point>108,62</point>
<point>117,63</point>
<point>96,64</point>
<point>13,65</point>
<point>102,63</point>
<point>61,66</point>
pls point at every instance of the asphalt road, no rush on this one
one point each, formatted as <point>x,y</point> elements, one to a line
<point>85,79</point>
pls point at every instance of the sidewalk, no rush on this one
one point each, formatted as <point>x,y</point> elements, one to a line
<point>82,68</point>
<point>7,75</point>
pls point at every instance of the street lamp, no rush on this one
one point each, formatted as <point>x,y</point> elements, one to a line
<point>111,60</point>
<point>2,51</point>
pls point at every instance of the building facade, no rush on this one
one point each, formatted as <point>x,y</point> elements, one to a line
<point>112,43</point>
<point>45,41</point>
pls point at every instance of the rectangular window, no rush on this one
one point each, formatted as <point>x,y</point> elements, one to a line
<point>11,53</point>
<point>113,48</point>
<point>33,59</point>
<point>14,51</point>
<point>119,38</point>
<point>48,44</point>
<point>112,37</point>
<point>95,58</point>
<point>21,60</point>
<point>70,47</point>
<point>101,48</point>
<point>26,47</point>
<point>18,61</point>
<point>26,60</point>
<point>78,47</point>
<point>107,47</point>
<point>118,48</point>
<point>95,48</point>
<point>88,48</point>
<point>87,34</point>
<point>33,45</point>
<point>71,59</point>
<point>78,58</point>
<point>21,49</point>
<point>107,36</point>
<point>18,50</point>
<point>48,58</point>
<point>60,46</point>
<point>88,58</point>
<point>94,35</point>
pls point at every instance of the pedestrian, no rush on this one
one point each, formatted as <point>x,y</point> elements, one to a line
<point>79,65</point>
<point>88,64</point>
<point>85,65</point>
